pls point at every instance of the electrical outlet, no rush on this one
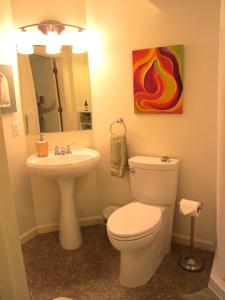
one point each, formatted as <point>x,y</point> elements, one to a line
<point>15,128</point>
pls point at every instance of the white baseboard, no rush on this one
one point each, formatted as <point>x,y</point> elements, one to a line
<point>89,221</point>
<point>28,235</point>
<point>215,287</point>
<point>47,228</point>
<point>40,229</point>
<point>216,283</point>
<point>202,244</point>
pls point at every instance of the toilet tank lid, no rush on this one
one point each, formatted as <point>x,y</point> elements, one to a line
<point>149,162</point>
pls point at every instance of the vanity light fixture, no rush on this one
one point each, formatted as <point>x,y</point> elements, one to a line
<point>53,45</point>
<point>53,35</point>
<point>80,42</point>
<point>24,45</point>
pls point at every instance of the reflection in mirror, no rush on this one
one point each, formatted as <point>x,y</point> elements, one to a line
<point>55,91</point>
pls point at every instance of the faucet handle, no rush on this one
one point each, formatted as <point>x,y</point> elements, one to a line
<point>57,151</point>
<point>68,149</point>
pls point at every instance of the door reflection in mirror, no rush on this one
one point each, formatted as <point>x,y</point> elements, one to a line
<point>48,97</point>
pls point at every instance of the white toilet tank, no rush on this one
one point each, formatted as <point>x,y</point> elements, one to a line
<point>153,181</point>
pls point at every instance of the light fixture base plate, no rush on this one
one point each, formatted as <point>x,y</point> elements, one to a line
<point>50,25</point>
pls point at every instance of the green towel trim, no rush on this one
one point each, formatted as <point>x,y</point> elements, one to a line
<point>205,294</point>
<point>118,155</point>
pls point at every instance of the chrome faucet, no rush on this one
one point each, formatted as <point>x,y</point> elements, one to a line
<point>63,150</point>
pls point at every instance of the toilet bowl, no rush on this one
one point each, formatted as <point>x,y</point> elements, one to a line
<point>134,230</point>
<point>141,230</point>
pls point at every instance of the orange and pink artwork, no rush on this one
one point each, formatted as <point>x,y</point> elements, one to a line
<point>157,80</point>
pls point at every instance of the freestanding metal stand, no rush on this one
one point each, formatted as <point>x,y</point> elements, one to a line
<point>191,263</point>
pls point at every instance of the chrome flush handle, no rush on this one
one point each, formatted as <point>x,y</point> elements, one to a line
<point>164,158</point>
<point>132,170</point>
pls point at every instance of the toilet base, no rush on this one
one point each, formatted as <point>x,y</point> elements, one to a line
<point>136,268</point>
<point>139,259</point>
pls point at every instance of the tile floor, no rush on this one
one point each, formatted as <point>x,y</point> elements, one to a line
<point>91,272</point>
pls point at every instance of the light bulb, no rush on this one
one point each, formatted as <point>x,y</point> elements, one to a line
<point>53,45</point>
<point>80,42</point>
<point>24,44</point>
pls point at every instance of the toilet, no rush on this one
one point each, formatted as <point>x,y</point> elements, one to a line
<point>142,229</point>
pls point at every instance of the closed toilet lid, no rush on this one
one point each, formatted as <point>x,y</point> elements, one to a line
<point>134,219</point>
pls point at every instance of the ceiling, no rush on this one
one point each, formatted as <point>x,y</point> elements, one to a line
<point>171,4</point>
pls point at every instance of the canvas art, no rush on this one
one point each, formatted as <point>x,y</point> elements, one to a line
<point>7,92</point>
<point>157,80</point>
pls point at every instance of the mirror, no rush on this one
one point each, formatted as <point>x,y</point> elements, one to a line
<point>55,91</point>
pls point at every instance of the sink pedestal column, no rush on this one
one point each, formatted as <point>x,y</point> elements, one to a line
<point>69,228</point>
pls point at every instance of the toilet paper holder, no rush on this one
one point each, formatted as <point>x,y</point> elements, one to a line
<point>191,262</point>
<point>200,206</point>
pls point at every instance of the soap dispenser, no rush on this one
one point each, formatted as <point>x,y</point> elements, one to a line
<point>42,147</point>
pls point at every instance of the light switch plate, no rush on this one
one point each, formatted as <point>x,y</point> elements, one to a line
<point>15,128</point>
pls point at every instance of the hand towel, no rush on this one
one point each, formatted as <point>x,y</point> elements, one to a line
<point>118,155</point>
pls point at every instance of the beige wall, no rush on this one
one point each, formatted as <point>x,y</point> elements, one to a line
<point>71,12</point>
<point>12,275</point>
<point>16,148</point>
<point>45,193</point>
<point>123,26</point>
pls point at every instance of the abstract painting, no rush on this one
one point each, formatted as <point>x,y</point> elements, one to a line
<point>7,92</point>
<point>157,80</point>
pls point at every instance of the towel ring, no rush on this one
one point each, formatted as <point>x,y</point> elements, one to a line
<point>118,121</point>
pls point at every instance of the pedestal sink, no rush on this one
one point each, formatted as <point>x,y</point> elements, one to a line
<point>64,168</point>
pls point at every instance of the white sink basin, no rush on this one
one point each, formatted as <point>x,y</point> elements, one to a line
<point>64,168</point>
<point>80,162</point>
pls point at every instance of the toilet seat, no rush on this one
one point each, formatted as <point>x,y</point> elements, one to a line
<point>134,221</point>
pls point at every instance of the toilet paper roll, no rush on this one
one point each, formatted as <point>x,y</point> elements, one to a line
<point>190,207</point>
